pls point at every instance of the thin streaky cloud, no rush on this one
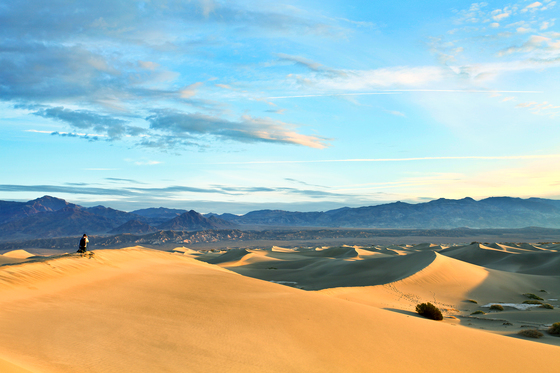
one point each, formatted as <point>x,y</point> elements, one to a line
<point>397,91</point>
<point>403,159</point>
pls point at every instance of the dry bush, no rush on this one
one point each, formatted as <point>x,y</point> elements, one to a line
<point>472,301</point>
<point>497,307</point>
<point>531,333</point>
<point>429,311</point>
<point>532,296</point>
<point>555,329</point>
<point>479,312</point>
<point>547,305</point>
<point>532,302</point>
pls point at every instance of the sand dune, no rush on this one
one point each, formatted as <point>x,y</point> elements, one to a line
<point>19,254</point>
<point>522,258</point>
<point>314,270</point>
<point>140,310</point>
<point>422,273</point>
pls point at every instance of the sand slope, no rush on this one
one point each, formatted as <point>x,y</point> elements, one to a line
<point>137,310</point>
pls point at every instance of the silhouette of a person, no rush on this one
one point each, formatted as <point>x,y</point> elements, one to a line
<point>83,244</point>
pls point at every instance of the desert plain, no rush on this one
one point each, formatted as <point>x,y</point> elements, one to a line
<point>281,309</point>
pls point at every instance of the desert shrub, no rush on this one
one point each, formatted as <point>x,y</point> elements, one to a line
<point>555,329</point>
<point>479,312</point>
<point>429,311</point>
<point>472,301</point>
<point>547,305</point>
<point>497,307</point>
<point>532,296</point>
<point>542,291</point>
<point>532,302</point>
<point>531,333</point>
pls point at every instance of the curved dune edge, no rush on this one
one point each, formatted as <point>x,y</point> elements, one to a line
<point>19,254</point>
<point>7,367</point>
<point>447,283</point>
<point>137,310</point>
<point>327,268</point>
<point>444,282</point>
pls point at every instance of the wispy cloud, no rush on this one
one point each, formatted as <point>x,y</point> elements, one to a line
<point>248,129</point>
<point>474,157</point>
<point>398,91</point>
<point>544,108</point>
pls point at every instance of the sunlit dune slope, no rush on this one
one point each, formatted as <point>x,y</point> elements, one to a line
<point>448,283</point>
<point>137,310</point>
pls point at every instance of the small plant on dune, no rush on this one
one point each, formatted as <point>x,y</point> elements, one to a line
<point>532,302</point>
<point>531,333</point>
<point>532,296</point>
<point>542,291</point>
<point>479,312</point>
<point>497,307</point>
<point>555,329</point>
<point>547,305</point>
<point>429,311</point>
<point>472,301</point>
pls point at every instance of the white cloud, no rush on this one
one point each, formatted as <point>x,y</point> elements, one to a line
<point>208,6</point>
<point>500,16</point>
<point>357,80</point>
<point>544,109</point>
<point>148,65</point>
<point>495,25</point>
<point>190,90</point>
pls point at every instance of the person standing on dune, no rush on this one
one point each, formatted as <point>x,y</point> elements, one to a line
<point>83,244</point>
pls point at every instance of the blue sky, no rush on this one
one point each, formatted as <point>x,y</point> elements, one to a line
<point>233,106</point>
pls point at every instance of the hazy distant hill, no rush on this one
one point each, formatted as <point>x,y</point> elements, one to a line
<point>192,220</point>
<point>134,227</point>
<point>495,212</point>
<point>159,215</point>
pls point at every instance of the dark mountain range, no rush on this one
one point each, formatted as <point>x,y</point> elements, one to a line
<point>53,217</point>
<point>495,212</point>
<point>159,215</point>
<point>115,215</point>
<point>192,220</point>
<point>11,211</point>
<point>134,227</point>
<point>71,220</point>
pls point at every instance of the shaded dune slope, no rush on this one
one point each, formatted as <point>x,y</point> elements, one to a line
<point>139,310</point>
<point>524,258</point>
<point>314,270</point>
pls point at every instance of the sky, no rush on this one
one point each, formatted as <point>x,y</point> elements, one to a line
<point>300,105</point>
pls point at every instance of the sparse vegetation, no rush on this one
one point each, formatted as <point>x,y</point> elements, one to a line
<point>429,311</point>
<point>472,301</point>
<point>555,329</point>
<point>496,307</point>
<point>479,312</point>
<point>532,302</point>
<point>543,291</point>
<point>531,333</point>
<point>547,305</point>
<point>532,296</point>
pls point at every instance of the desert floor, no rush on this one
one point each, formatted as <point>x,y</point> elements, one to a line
<point>275,309</point>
